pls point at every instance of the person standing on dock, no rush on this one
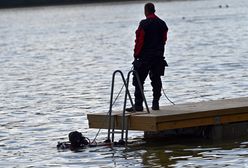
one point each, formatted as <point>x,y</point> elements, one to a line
<point>151,37</point>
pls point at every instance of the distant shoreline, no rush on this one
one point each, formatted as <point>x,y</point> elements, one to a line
<point>31,3</point>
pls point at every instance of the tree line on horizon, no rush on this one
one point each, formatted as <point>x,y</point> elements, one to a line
<point>22,3</point>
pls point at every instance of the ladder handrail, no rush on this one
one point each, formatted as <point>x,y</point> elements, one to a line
<point>127,93</point>
<point>111,97</point>
<point>136,75</point>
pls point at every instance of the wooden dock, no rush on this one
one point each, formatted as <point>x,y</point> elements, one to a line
<point>187,115</point>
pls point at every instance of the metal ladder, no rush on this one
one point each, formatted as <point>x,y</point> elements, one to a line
<point>113,118</point>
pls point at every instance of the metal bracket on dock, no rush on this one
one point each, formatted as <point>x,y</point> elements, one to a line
<point>217,120</point>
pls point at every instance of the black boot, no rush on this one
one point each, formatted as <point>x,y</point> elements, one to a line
<point>135,109</point>
<point>155,105</point>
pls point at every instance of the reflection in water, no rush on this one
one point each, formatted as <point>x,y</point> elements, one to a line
<point>193,153</point>
<point>56,65</point>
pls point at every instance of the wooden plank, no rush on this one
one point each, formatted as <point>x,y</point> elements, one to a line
<point>98,121</point>
<point>139,122</point>
<point>180,116</point>
<point>202,109</point>
<point>201,122</point>
<point>135,122</point>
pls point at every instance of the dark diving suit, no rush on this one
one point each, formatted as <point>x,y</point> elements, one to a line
<point>151,37</point>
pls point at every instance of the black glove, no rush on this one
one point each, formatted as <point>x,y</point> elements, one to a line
<point>137,63</point>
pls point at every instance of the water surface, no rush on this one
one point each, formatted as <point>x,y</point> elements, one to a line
<point>56,65</point>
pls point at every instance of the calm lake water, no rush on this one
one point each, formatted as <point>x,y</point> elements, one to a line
<point>56,65</point>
